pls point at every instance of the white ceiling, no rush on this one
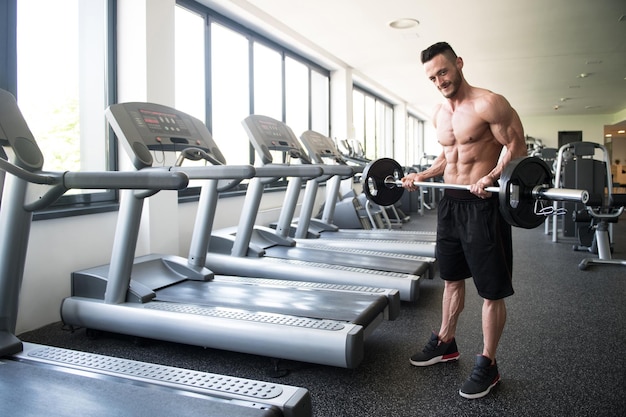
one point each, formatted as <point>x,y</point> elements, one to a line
<point>531,51</point>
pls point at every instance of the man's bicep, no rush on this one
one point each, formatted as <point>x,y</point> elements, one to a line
<point>506,125</point>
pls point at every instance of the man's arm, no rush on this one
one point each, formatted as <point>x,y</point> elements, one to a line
<point>436,169</point>
<point>507,129</point>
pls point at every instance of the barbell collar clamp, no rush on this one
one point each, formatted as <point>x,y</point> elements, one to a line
<point>561,194</point>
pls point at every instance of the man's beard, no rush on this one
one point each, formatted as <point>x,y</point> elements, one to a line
<point>454,83</point>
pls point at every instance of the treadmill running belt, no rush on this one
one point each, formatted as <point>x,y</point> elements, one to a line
<point>353,308</point>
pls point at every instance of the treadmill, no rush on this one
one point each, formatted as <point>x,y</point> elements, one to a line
<point>354,246</point>
<point>38,380</point>
<point>321,149</point>
<point>250,249</point>
<point>355,156</point>
<point>180,300</point>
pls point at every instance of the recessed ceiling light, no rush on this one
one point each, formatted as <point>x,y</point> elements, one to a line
<point>404,23</point>
<point>583,75</point>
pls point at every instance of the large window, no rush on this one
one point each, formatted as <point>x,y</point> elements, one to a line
<point>297,95</point>
<point>268,81</point>
<point>246,73</point>
<point>230,92</point>
<point>415,143</point>
<point>189,63</point>
<point>64,78</point>
<point>373,123</point>
<point>320,100</point>
<point>62,85</point>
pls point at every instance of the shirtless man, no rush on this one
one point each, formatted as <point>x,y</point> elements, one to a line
<point>480,133</point>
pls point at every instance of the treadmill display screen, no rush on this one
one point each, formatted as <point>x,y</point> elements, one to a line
<point>162,123</point>
<point>270,130</point>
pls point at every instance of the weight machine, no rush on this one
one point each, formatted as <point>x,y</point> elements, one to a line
<point>595,220</point>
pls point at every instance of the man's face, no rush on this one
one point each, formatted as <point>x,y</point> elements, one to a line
<point>444,74</point>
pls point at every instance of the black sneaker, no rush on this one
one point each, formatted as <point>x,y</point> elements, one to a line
<point>436,351</point>
<point>484,377</point>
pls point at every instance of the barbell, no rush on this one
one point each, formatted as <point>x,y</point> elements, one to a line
<point>523,182</point>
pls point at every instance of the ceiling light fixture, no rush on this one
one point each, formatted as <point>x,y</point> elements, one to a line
<point>404,23</point>
<point>583,75</point>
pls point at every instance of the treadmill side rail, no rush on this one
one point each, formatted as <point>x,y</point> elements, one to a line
<point>292,401</point>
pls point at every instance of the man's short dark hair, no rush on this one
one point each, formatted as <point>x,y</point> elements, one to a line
<point>436,49</point>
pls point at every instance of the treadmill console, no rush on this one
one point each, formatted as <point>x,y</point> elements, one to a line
<point>145,127</point>
<point>320,146</point>
<point>14,132</point>
<point>267,135</point>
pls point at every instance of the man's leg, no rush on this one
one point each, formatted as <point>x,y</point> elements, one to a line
<point>442,347</point>
<point>485,374</point>
<point>494,318</point>
<point>452,305</point>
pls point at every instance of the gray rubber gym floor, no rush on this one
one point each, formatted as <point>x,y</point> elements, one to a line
<point>563,352</point>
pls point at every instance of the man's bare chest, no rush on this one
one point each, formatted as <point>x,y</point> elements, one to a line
<point>461,127</point>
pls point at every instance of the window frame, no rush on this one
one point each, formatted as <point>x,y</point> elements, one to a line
<point>388,119</point>
<point>252,36</point>
<point>108,200</point>
<point>211,16</point>
<point>80,203</point>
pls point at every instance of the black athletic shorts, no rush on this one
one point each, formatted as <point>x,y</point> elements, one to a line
<point>473,240</point>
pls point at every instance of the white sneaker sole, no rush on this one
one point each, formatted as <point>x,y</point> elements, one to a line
<point>436,359</point>
<point>478,394</point>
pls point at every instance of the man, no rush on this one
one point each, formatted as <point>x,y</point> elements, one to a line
<point>480,133</point>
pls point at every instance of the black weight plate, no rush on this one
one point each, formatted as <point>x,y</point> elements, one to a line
<point>374,186</point>
<point>523,174</point>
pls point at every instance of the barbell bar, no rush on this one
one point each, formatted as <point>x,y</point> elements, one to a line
<point>522,183</point>
<point>392,182</point>
<point>539,191</point>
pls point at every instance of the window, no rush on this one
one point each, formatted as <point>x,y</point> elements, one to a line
<point>245,74</point>
<point>189,63</point>
<point>268,81</point>
<point>296,96</point>
<point>415,141</point>
<point>320,100</point>
<point>373,123</point>
<point>230,92</point>
<point>62,85</point>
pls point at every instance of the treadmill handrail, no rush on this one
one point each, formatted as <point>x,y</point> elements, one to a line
<point>303,171</point>
<point>146,180</point>
<point>337,169</point>
<point>330,171</point>
<point>152,180</point>
<point>208,172</point>
<point>58,183</point>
